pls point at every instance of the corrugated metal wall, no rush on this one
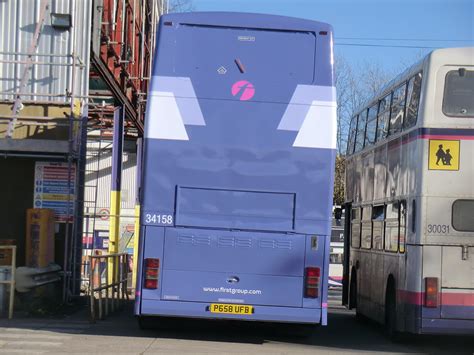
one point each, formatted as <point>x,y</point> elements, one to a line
<point>104,177</point>
<point>56,48</point>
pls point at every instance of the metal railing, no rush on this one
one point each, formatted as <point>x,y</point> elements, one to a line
<point>109,294</point>
<point>11,281</point>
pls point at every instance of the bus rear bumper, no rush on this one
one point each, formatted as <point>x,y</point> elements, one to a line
<point>447,326</point>
<point>201,310</point>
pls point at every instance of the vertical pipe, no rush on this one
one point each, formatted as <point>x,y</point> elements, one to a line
<point>107,282</point>
<point>12,283</point>
<point>114,19</point>
<point>136,235</point>
<point>99,260</point>
<point>91,287</point>
<point>155,9</point>
<point>134,36</point>
<point>142,46</point>
<point>117,152</point>
<point>122,48</point>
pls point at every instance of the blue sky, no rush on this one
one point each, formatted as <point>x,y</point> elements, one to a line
<point>434,23</point>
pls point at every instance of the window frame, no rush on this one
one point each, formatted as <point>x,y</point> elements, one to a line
<point>407,103</point>
<point>353,222</point>
<point>383,136</point>
<point>445,89</point>
<point>359,116</point>
<point>392,220</point>
<point>452,215</point>
<point>400,128</point>
<point>366,222</point>
<point>351,141</point>
<point>382,222</point>
<point>376,105</point>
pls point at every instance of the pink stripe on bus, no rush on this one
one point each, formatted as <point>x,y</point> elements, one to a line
<point>459,299</point>
<point>446,299</point>
<point>446,137</point>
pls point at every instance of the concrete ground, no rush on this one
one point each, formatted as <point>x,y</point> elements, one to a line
<point>120,334</point>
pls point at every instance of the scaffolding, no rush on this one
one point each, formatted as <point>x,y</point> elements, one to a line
<point>123,41</point>
<point>58,134</point>
<point>72,152</point>
<point>118,51</point>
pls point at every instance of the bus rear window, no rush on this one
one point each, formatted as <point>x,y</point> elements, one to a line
<point>458,93</point>
<point>463,215</point>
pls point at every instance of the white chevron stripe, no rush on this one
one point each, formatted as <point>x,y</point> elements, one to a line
<point>319,127</point>
<point>164,120</point>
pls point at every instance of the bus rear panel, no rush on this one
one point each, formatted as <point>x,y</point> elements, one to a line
<point>238,168</point>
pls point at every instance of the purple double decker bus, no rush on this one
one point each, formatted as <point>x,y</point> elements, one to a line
<point>238,165</point>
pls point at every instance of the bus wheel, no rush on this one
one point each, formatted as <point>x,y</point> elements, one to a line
<point>391,314</point>
<point>144,323</point>
<point>353,291</point>
<point>304,330</point>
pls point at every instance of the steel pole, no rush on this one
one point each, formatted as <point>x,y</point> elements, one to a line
<point>115,198</point>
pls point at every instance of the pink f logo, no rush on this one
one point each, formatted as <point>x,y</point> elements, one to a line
<point>243,89</point>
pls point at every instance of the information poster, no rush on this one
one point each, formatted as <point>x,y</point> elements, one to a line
<point>54,190</point>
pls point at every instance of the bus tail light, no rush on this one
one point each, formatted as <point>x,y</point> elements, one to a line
<point>431,292</point>
<point>312,277</point>
<point>152,267</point>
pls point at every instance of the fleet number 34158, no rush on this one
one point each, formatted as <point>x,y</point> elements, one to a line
<point>161,219</point>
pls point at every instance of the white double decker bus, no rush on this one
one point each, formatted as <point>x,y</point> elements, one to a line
<point>409,230</point>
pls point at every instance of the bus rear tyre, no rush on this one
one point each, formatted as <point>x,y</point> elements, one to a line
<point>304,330</point>
<point>391,317</point>
<point>353,292</point>
<point>145,323</point>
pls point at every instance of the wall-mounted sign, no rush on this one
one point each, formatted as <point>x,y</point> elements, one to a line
<point>54,189</point>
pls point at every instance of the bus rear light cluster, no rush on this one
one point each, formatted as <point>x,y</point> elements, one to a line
<point>431,292</point>
<point>312,281</point>
<point>152,267</point>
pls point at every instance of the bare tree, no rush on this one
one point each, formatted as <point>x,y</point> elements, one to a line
<point>180,6</point>
<point>342,79</point>
<point>339,175</point>
<point>373,78</point>
<point>354,88</point>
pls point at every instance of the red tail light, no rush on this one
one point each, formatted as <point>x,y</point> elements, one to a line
<point>312,277</point>
<point>431,292</point>
<point>152,267</point>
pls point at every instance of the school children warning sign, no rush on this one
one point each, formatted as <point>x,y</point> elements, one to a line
<point>443,155</point>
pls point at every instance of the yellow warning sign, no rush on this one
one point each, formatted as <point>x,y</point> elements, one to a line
<point>443,155</point>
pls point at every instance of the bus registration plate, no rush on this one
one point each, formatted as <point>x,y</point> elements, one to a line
<point>231,308</point>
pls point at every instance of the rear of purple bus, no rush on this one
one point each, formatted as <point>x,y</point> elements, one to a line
<point>237,182</point>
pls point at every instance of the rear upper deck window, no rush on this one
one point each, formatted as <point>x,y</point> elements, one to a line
<point>359,143</point>
<point>463,215</point>
<point>352,135</point>
<point>383,117</point>
<point>413,100</point>
<point>458,100</point>
<point>397,109</point>
<point>370,131</point>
